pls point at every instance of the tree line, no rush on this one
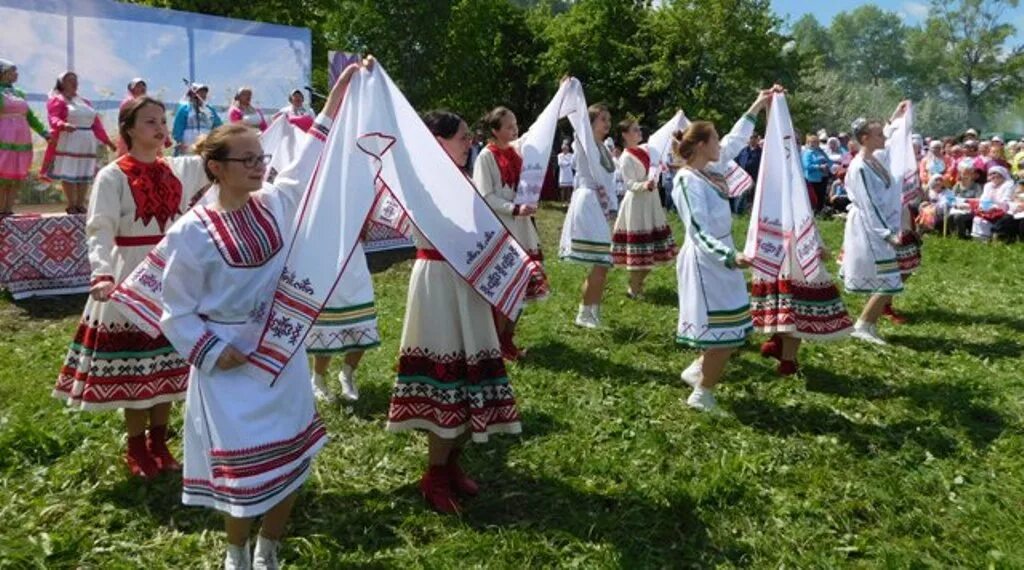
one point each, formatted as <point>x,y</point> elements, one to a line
<point>647,59</point>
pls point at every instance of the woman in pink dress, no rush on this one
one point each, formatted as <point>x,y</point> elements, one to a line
<point>75,128</point>
<point>16,118</point>
<point>243,111</point>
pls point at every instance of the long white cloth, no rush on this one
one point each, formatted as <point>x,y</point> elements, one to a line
<point>574,107</point>
<point>659,146</point>
<point>902,158</point>
<point>535,148</point>
<point>782,215</point>
<point>379,146</point>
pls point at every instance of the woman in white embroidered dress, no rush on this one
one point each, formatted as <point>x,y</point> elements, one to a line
<point>496,174</point>
<point>249,446</point>
<point>452,381</point>
<point>714,307</point>
<point>873,227</point>
<point>641,238</point>
<point>111,363</point>
<point>347,326</point>
<point>586,237</point>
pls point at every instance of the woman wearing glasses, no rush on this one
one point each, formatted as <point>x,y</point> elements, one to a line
<point>111,363</point>
<point>249,446</point>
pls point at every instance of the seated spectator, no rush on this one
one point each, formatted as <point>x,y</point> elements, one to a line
<point>932,211</point>
<point>933,165</point>
<point>966,188</point>
<point>993,214</point>
<point>838,200</point>
<point>996,154</point>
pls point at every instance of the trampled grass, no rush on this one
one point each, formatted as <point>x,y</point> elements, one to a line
<point>905,456</point>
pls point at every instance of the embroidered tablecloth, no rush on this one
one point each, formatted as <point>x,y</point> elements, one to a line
<point>43,255</point>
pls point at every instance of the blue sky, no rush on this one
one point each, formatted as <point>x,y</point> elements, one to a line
<point>913,12</point>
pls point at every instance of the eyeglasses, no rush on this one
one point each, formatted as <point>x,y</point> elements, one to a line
<point>250,161</point>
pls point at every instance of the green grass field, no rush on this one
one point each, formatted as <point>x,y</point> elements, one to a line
<point>907,456</point>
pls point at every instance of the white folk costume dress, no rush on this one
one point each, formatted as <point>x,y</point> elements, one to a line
<point>792,291</point>
<point>111,363</point>
<point>586,237</point>
<point>74,152</point>
<point>868,261</point>
<point>714,307</point>
<point>642,238</point>
<point>496,176</point>
<point>451,376</point>
<point>248,444</point>
<point>349,320</point>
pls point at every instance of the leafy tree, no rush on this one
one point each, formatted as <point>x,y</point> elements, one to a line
<point>868,44</point>
<point>710,57</point>
<point>963,51</point>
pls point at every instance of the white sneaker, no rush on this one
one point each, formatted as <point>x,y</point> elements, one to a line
<point>704,401</point>
<point>585,318</point>
<point>320,389</point>
<point>694,373</point>
<point>868,333</point>
<point>238,557</point>
<point>265,555</point>
<point>347,377</point>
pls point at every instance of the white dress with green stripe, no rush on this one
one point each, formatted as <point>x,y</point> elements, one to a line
<point>349,321</point>
<point>586,235</point>
<point>868,261</point>
<point>714,306</point>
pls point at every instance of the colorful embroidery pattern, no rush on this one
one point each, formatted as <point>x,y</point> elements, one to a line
<point>247,237</point>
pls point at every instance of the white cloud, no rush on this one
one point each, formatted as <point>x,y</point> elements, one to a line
<point>916,10</point>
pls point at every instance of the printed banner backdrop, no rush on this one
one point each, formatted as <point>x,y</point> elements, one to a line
<point>108,43</point>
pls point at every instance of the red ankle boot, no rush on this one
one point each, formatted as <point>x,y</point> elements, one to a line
<point>157,444</point>
<point>460,482</point>
<point>436,488</point>
<point>772,348</point>
<point>896,318</point>
<point>787,367</point>
<point>139,461</point>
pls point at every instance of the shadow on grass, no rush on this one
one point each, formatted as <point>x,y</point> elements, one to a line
<point>990,350</point>
<point>940,315</point>
<point>954,403</point>
<point>50,308</point>
<point>558,356</point>
<point>662,296</point>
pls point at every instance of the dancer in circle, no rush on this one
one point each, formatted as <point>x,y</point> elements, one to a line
<point>111,363</point>
<point>193,118</point>
<point>792,295</point>
<point>714,307</point>
<point>17,121</point>
<point>452,382</point>
<point>586,237</point>
<point>641,238</point>
<point>873,227</point>
<point>249,446</point>
<point>347,326</point>
<point>496,174</point>
<point>243,111</point>
<point>75,128</point>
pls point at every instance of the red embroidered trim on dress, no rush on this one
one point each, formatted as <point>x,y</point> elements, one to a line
<point>247,237</point>
<point>155,190</point>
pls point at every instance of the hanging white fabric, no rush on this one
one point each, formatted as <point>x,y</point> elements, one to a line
<point>535,148</point>
<point>659,145</point>
<point>902,158</point>
<point>782,219</point>
<point>378,147</point>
